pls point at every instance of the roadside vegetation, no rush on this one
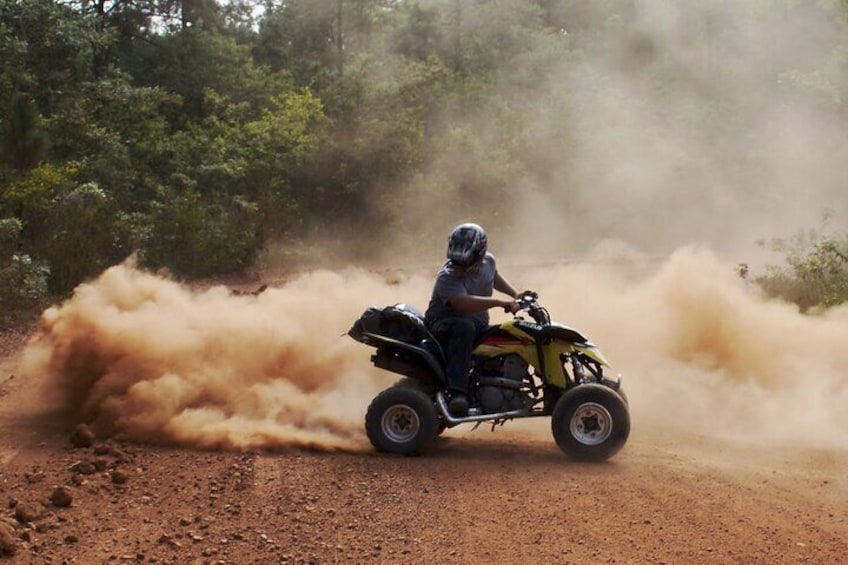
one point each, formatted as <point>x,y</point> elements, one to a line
<point>815,274</point>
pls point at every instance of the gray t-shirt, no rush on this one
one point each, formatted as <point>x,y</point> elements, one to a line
<point>477,281</point>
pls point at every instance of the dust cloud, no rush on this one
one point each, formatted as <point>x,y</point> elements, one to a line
<point>702,351</point>
<point>703,123</point>
<point>148,358</point>
<point>699,349</point>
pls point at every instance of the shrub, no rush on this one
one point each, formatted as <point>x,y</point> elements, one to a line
<point>23,281</point>
<point>816,274</point>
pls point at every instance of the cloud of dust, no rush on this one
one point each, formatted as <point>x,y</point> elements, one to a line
<point>151,359</point>
<point>700,351</point>
<point>716,122</point>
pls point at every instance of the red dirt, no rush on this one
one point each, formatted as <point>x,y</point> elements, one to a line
<point>476,497</point>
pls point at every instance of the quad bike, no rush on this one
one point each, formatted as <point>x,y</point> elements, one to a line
<point>520,369</point>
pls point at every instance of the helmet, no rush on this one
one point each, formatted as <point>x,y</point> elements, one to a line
<point>467,244</point>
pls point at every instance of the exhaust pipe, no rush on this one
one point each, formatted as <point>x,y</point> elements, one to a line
<point>442,402</point>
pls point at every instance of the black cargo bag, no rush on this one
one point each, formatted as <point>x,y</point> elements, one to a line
<point>400,321</point>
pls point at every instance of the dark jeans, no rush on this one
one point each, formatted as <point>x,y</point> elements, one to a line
<point>457,337</point>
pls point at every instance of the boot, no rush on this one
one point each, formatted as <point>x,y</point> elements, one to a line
<point>458,404</point>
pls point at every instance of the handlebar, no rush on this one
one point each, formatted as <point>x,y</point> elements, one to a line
<point>528,301</point>
<point>527,296</point>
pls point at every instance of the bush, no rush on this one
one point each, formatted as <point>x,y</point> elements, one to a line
<point>23,281</point>
<point>817,272</point>
<point>196,239</point>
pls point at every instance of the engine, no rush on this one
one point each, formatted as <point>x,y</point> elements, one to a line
<point>499,384</point>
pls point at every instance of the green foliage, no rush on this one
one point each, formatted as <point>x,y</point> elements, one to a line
<point>194,63</point>
<point>198,133</point>
<point>77,228</point>
<point>816,274</point>
<point>29,197</point>
<point>23,282</point>
<point>48,50</point>
<point>24,141</point>
<point>301,36</point>
<point>192,238</point>
<point>87,233</point>
<point>10,232</point>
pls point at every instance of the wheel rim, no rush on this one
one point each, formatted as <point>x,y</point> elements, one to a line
<point>591,424</point>
<point>400,423</point>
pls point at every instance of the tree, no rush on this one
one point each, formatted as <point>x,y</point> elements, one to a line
<point>24,141</point>
<point>49,51</point>
<point>301,36</point>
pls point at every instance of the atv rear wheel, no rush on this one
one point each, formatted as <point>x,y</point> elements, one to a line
<point>401,419</point>
<point>590,422</point>
<point>429,390</point>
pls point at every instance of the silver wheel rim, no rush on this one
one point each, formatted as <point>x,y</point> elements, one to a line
<point>400,423</point>
<point>591,424</point>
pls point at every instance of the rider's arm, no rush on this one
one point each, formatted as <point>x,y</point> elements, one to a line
<point>502,285</point>
<point>470,304</point>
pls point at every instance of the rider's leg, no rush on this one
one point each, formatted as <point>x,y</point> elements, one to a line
<point>457,335</point>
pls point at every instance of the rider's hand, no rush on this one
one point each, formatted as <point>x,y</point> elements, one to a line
<point>511,306</point>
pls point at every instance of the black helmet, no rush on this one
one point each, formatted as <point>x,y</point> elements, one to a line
<point>467,244</point>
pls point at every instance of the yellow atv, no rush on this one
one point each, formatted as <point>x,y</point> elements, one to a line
<point>520,369</point>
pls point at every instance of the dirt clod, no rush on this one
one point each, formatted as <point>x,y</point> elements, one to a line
<point>61,497</point>
<point>8,544</point>
<point>82,437</point>
<point>25,513</point>
<point>83,468</point>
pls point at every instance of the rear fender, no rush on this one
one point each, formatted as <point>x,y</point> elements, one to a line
<point>406,359</point>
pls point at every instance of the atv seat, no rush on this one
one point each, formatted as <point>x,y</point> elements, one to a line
<point>434,348</point>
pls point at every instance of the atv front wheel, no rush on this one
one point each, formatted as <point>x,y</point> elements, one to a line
<point>590,422</point>
<point>401,419</point>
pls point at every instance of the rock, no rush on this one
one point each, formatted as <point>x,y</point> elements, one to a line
<point>118,477</point>
<point>82,437</point>
<point>165,539</point>
<point>103,449</point>
<point>8,545</point>
<point>109,449</point>
<point>25,513</point>
<point>61,497</point>
<point>84,468</point>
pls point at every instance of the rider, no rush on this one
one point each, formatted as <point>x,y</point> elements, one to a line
<point>458,310</point>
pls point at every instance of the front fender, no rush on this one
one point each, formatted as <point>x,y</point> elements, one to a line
<point>552,352</point>
<point>592,352</point>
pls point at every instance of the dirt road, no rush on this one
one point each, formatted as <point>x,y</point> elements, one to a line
<point>477,497</point>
